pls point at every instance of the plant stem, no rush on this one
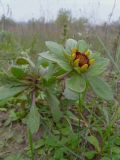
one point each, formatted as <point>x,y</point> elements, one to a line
<point>62,77</point>
<point>81,104</point>
<point>31,144</point>
<point>79,120</point>
<point>33,98</point>
<point>29,132</point>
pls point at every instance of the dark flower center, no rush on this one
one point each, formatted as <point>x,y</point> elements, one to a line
<point>83,59</point>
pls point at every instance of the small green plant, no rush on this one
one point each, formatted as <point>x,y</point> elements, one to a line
<point>26,78</point>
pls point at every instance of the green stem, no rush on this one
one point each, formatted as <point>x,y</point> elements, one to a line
<point>79,120</point>
<point>29,132</point>
<point>80,107</point>
<point>62,77</point>
<point>31,144</point>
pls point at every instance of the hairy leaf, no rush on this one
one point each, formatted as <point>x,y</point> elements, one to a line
<point>93,140</point>
<point>76,83</point>
<point>82,46</point>
<point>33,121</point>
<point>18,72</point>
<point>101,88</point>
<point>70,44</point>
<point>54,106</point>
<point>9,91</point>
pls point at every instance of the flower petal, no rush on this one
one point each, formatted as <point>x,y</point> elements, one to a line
<point>91,61</point>
<point>84,68</point>
<point>76,62</point>
<point>87,53</point>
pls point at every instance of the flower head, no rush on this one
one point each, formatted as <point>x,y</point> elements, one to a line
<point>81,60</point>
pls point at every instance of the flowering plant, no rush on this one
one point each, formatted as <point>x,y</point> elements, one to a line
<point>82,67</point>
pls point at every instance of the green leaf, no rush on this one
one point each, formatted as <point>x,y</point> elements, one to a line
<point>54,106</point>
<point>96,55</point>
<point>65,65</point>
<point>24,61</point>
<point>101,88</point>
<point>61,62</point>
<point>115,149</point>
<point>33,121</point>
<point>13,115</point>
<point>42,61</point>
<point>51,141</point>
<point>90,154</point>
<point>99,67</point>
<point>55,48</point>
<point>59,153</point>
<point>76,83</point>
<point>117,140</point>
<point>106,115</point>
<point>70,44</point>
<point>50,71</point>
<point>18,72</point>
<point>93,140</point>
<point>9,91</point>
<point>49,56</point>
<point>82,46</point>
<point>69,94</point>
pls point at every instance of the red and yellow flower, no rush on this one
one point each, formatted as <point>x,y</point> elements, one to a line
<point>81,61</point>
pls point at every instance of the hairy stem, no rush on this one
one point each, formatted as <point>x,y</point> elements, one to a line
<point>29,132</point>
